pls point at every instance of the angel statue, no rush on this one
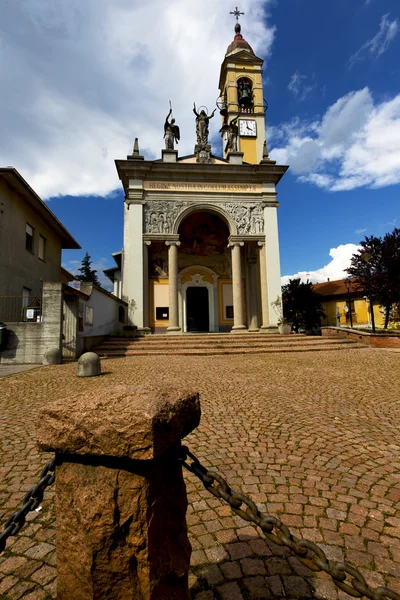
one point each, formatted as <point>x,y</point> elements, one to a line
<point>171,131</point>
<point>202,120</point>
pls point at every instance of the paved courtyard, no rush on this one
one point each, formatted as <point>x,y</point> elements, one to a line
<point>313,438</point>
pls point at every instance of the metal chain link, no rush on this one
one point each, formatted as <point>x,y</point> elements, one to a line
<point>311,555</point>
<point>32,500</point>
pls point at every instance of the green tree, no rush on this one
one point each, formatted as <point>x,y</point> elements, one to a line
<point>381,272</point>
<point>86,272</point>
<point>301,305</point>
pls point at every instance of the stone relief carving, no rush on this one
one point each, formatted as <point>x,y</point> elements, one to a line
<point>197,279</point>
<point>160,216</point>
<point>248,217</point>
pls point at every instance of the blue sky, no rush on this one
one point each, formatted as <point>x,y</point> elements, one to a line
<point>80,80</point>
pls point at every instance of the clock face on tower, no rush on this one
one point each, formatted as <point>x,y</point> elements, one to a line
<point>247,128</point>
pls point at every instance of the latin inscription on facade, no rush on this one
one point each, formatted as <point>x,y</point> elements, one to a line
<point>184,186</point>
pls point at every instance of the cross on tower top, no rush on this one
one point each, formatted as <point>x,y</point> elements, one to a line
<point>236,13</point>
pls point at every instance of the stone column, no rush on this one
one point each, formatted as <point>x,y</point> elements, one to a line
<point>238,319</point>
<point>146,285</point>
<point>173,286</point>
<point>120,495</point>
<point>254,324</point>
<point>264,288</point>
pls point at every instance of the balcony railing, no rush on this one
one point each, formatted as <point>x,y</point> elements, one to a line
<point>18,309</point>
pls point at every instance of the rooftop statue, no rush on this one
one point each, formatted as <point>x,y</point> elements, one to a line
<point>171,131</point>
<point>232,130</point>
<point>202,120</point>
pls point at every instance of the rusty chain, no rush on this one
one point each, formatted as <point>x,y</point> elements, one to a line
<point>311,555</point>
<point>32,500</point>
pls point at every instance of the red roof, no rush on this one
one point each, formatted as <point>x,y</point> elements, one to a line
<point>335,288</point>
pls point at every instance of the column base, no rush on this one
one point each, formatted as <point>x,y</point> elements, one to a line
<point>239,329</point>
<point>253,329</point>
<point>269,329</point>
<point>173,329</point>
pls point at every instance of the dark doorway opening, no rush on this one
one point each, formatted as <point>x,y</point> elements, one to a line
<point>197,310</point>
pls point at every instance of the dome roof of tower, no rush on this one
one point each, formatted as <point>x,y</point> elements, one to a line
<point>239,43</point>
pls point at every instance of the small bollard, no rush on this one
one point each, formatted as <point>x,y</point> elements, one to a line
<point>52,356</point>
<point>121,499</point>
<point>89,365</point>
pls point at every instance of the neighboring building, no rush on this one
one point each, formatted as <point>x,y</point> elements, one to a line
<point>31,239</point>
<point>90,314</point>
<point>336,305</point>
<point>201,249</point>
<point>115,274</point>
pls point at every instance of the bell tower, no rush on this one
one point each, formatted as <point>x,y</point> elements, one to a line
<point>241,97</point>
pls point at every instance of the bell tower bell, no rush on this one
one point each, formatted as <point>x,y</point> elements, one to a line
<point>241,97</point>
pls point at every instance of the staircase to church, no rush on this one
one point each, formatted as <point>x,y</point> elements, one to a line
<point>219,344</point>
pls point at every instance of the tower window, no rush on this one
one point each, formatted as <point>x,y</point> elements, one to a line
<point>245,94</point>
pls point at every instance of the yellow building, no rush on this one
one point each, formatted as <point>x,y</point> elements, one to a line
<point>336,305</point>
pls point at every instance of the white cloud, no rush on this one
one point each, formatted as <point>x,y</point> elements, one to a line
<point>360,231</point>
<point>298,86</point>
<point>379,43</point>
<point>356,144</point>
<point>335,269</point>
<point>80,80</point>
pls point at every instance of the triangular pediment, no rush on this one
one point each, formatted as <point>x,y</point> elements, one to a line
<point>244,56</point>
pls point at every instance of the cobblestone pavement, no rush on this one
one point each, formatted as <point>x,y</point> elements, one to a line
<point>312,438</point>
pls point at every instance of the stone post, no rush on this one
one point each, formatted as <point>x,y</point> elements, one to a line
<point>52,315</point>
<point>264,288</point>
<point>146,286</point>
<point>120,495</point>
<point>238,320</point>
<point>173,286</point>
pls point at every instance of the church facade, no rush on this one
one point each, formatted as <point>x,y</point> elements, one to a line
<point>201,250</point>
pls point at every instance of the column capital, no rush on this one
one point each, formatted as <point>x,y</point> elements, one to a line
<point>147,242</point>
<point>233,244</point>
<point>261,243</point>
<point>172,243</point>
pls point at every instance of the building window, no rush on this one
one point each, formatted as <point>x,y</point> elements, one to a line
<point>26,292</point>
<point>162,313</point>
<point>229,312</point>
<point>29,238</point>
<point>88,315</point>
<point>42,247</point>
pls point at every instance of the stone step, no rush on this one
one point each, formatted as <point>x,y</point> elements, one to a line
<point>225,351</point>
<point>234,339</point>
<point>115,344</point>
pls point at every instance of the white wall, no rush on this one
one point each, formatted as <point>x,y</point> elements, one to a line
<point>105,314</point>
<point>132,286</point>
<point>272,259</point>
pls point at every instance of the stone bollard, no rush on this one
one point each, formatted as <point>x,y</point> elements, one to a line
<point>121,500</point>
<point>89,365</point>
<point>52,356</point>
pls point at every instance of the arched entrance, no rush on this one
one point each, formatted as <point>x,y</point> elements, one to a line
<point>204,257</point>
